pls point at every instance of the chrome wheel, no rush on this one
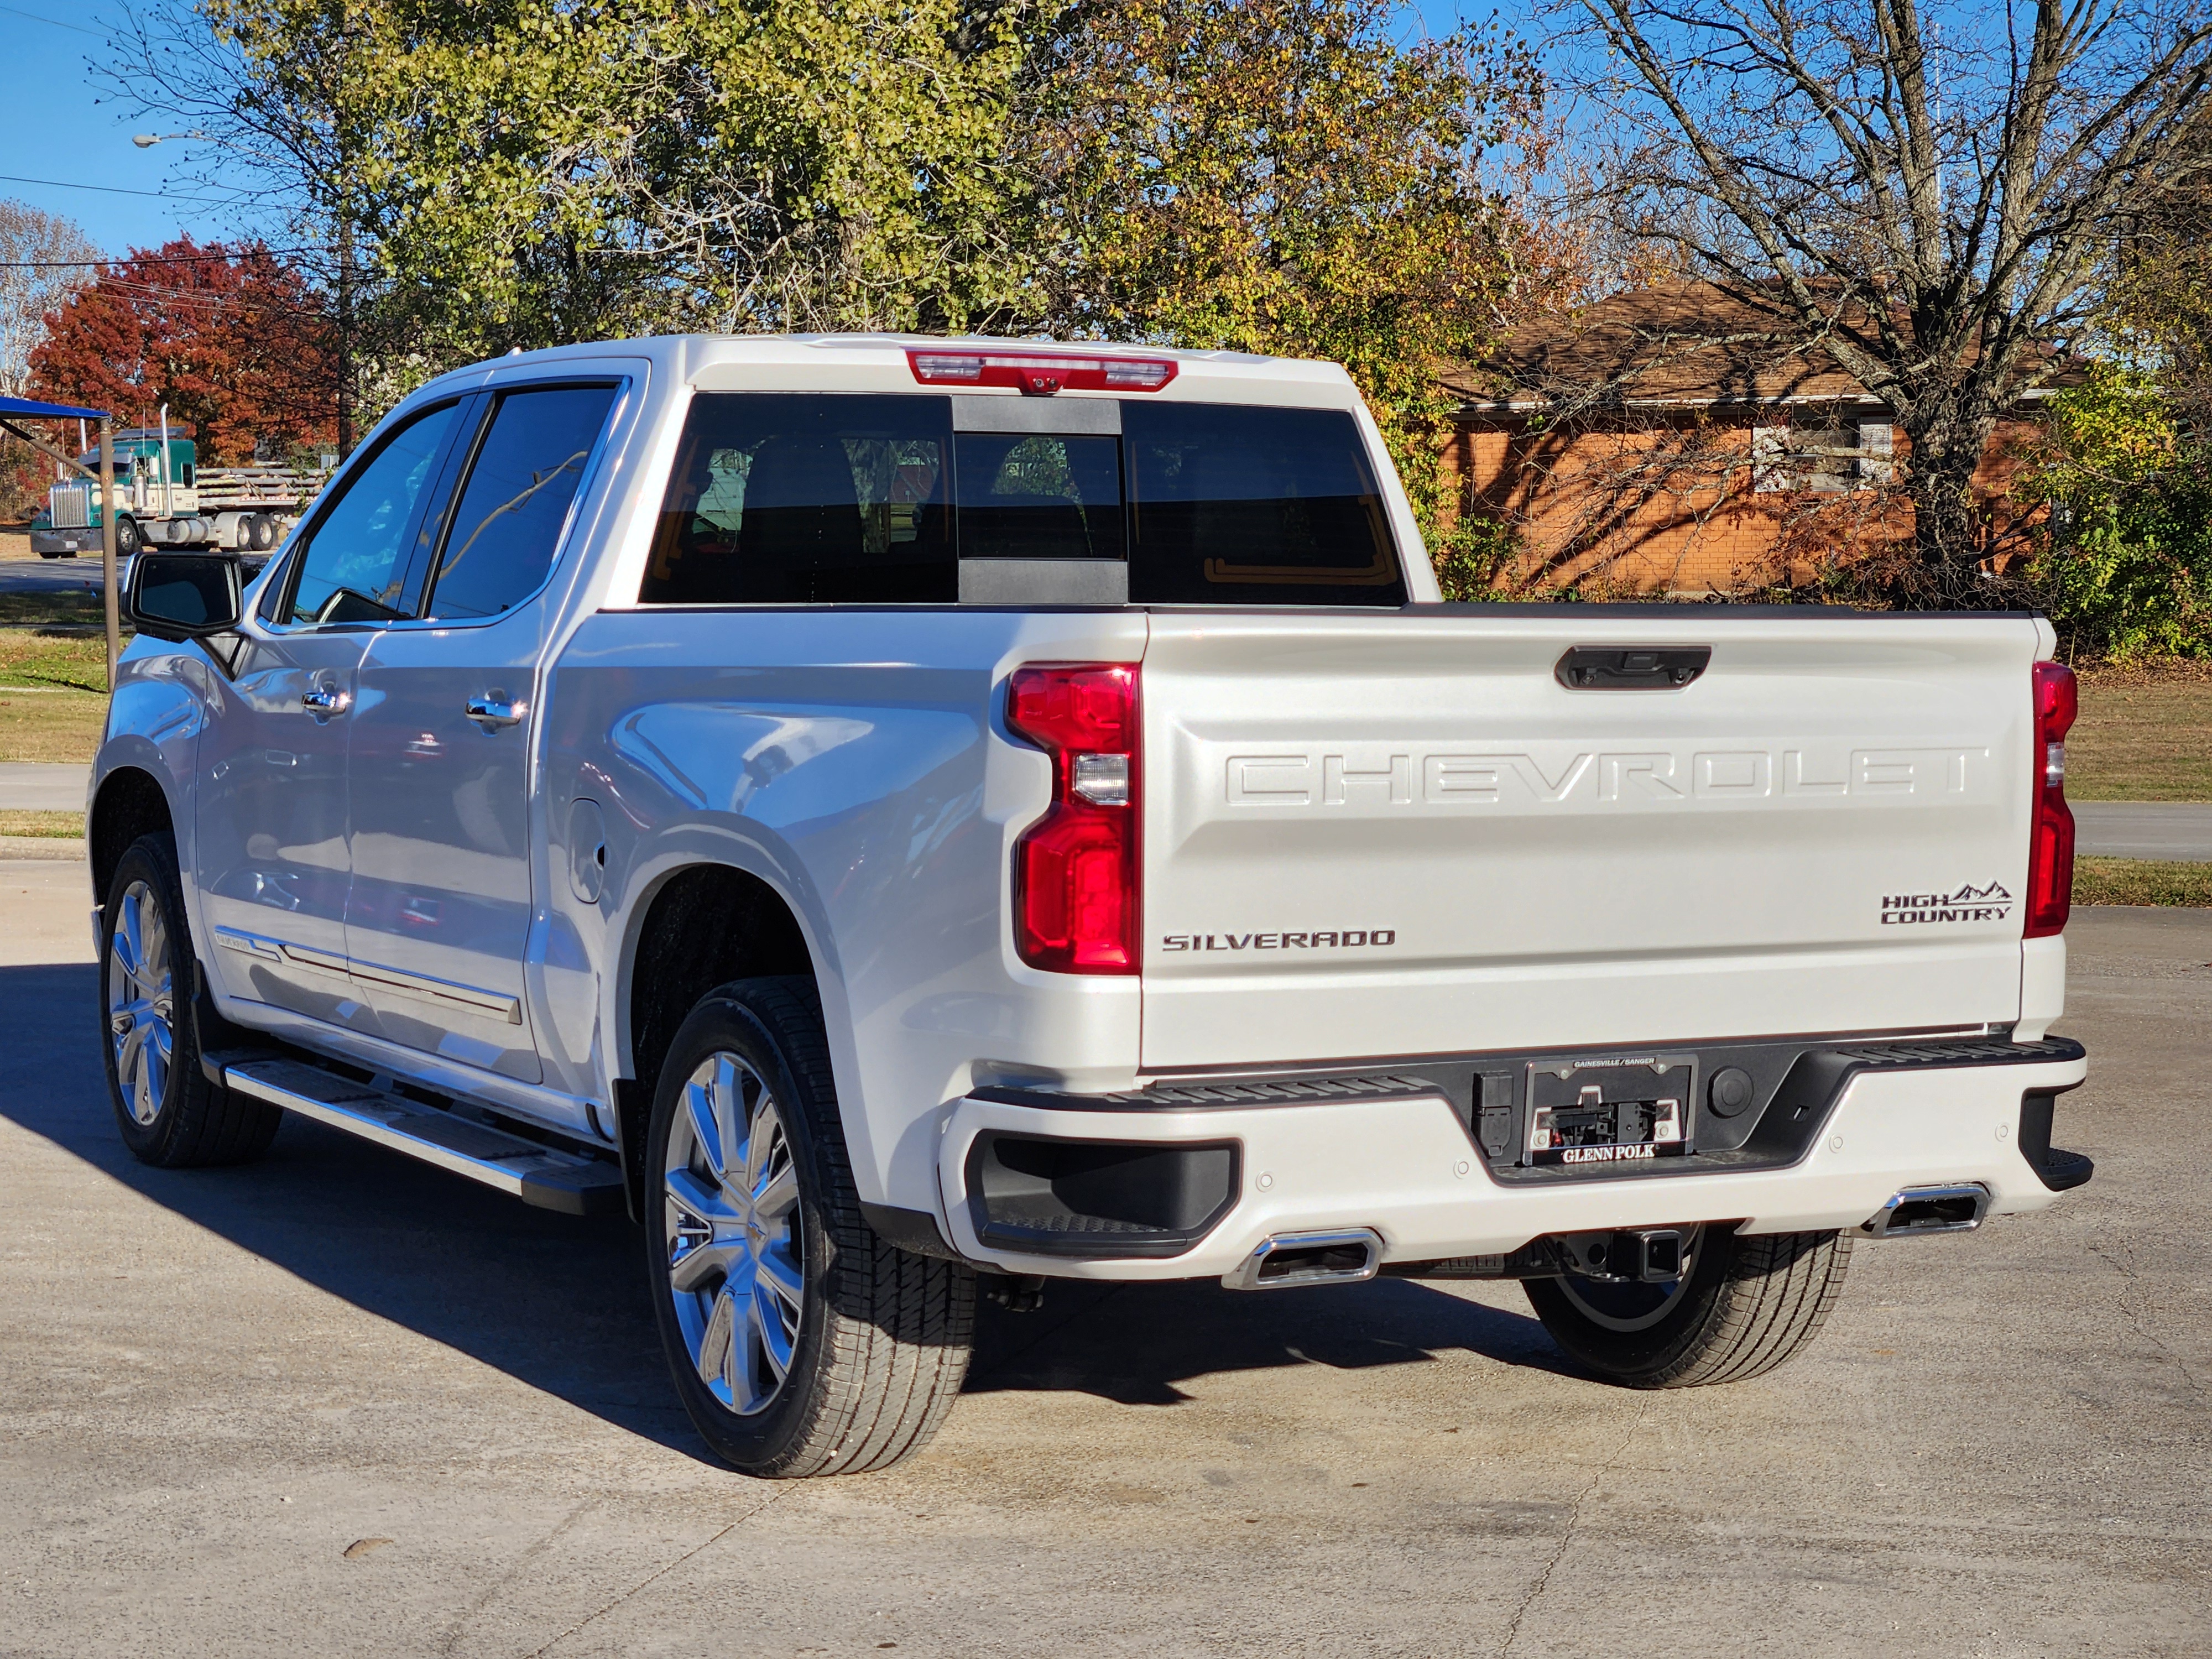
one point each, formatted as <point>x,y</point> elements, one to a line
<point>141,1002</point>
<point>731,1219</point>
<point>1633,1306</point>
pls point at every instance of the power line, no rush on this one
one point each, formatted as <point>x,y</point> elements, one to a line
<point>122,260</point>
<point>112,189</point>
<point>18,12</point>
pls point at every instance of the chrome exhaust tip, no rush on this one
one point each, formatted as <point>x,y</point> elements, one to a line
<point>1917,1210</point>
<point>1287,1259</point>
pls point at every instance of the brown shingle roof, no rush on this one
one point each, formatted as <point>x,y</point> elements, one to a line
<point>1680,342</point>
<point>1676,343</point>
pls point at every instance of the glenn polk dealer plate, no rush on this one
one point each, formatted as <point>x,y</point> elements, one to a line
<point>1609,1109</point>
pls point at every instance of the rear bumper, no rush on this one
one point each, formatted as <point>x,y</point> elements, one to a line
<point>1403,1165</point>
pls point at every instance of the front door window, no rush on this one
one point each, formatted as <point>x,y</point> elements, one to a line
<point>355,568</point>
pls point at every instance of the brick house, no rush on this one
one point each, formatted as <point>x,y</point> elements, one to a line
<point>1653,442</point>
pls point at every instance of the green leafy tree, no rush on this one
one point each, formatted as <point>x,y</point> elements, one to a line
<point>493,173</point>
<point>1273,176</point>
<point>2126,567</point>
<point>545,173</point>
<point>1283,176</point>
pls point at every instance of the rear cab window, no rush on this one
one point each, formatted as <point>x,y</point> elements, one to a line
<point>806,498</point>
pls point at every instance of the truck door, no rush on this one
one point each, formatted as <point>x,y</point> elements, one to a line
<point>272,814</point>
<point>439,922</point>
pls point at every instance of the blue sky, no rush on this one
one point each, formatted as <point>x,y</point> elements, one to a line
<point>53,128</point>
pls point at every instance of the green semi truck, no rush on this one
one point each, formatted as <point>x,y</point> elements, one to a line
<point>164,498</point>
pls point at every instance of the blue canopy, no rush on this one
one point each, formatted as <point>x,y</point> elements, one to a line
<point>24,406</point>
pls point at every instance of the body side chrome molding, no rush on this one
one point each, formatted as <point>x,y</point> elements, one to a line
<point>398,981</point>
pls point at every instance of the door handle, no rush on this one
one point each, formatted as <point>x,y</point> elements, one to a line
<point>324,701</point>
<point>493,711</point>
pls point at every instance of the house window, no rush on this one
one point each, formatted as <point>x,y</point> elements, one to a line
<point>1826,455</point>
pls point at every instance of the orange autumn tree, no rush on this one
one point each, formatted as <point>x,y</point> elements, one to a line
<point>234,340</point>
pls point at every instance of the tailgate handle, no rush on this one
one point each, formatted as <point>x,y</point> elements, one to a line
<point>1631,667</point>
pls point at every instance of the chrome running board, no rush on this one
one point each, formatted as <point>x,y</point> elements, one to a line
<point>542,1175</point>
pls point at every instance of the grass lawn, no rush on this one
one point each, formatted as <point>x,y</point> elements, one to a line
<point>76,609</point>
<point>54,659</point>
<point>2141,881</point>
<point>42,825</point>
<point>2144,734</point>
<point>54,677</point>
<point>51,725</point>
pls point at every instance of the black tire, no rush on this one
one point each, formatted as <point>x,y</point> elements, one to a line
<point>188,1122</point>
<point>1748,1304</point>
<point>128,541</point>
<point>882,1336</point>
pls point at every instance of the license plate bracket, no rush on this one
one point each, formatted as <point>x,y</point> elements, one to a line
<point>1604,1111</point>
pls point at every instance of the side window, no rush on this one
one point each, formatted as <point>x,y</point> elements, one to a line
<point>512,509</point>
<point>1232,504</point>
<point>793,498</point>
<point>355,566</point>
<point>1039,496</point>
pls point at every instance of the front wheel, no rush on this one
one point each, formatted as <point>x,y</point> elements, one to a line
<point>801,1343</point>
<point>169,1113</point>
<point>128,541</point>
<point>1742,1307</point>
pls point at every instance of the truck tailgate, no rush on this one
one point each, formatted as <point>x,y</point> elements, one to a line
<point>1384,835</point>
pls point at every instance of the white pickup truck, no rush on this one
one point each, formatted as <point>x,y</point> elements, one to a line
<point>902,816</point>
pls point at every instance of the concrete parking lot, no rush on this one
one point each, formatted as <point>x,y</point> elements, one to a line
<point>338,1403</point>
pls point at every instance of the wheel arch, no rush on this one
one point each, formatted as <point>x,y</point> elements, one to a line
<point>130,802</point>
<point>700,925</point>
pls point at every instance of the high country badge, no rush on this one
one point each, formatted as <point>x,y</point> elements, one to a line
<point>1968,903</point>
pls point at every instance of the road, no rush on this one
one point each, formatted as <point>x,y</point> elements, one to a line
<point>337,1403</point>
<point>2180,831</point>
<point>22,571</point>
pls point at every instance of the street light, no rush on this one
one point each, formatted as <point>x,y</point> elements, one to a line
<point>148,139</point>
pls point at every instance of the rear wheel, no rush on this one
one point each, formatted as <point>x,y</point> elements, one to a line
<point>1742,1307</point>
<point>169,1113</point>
<point>801,1343</point>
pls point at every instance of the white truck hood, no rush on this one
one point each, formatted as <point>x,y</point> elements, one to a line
<point>1394,835</point>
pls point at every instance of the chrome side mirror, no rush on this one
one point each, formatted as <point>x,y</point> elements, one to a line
<point>185,596</point>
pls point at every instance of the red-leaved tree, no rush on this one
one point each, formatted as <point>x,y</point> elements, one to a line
<point>234,340</point>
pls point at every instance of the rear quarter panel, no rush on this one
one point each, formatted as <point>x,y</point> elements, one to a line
<point>855,761</point>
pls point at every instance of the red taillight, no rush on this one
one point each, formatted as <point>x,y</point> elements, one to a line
<point>1040,374</point>
<point>1075,868</point>
<point>2051,854</point>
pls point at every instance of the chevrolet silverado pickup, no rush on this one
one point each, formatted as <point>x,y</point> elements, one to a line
<point>909,818</point>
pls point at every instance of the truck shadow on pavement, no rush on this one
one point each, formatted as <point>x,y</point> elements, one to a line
<point>558,1302</point>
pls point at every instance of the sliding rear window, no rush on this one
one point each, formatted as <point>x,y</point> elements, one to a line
<point>800,498</point>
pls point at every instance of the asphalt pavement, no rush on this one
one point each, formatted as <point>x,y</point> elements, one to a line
<point>338,1403</point>
<point>37,787</point>
<point>2180,831</point>
<point>22,571</point>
